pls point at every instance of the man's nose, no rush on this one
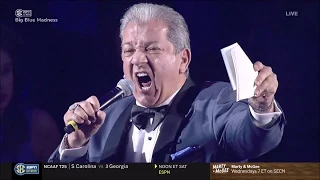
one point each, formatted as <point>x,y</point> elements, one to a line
<point>139,58</point>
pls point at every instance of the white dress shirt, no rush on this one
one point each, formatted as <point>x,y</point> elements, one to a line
<point>141,144</point>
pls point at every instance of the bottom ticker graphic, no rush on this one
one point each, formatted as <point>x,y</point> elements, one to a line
<point>22,169</point>
<point>125,171</point>
<point>213,171</point>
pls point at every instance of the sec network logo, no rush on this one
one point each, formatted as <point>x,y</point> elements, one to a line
<point>22,169</point>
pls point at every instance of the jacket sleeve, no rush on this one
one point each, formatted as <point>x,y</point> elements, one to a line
<point>234,126</point>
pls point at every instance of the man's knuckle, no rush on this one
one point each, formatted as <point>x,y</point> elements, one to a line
<point>275,76</point>
<point>86,105</point>
<point>268,68</point>
<point>268,79</point>
<point>92,99</point>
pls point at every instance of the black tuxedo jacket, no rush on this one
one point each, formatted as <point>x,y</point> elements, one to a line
<point>205,125</point>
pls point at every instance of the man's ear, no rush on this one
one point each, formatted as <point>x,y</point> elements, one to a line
<point>185,56</point>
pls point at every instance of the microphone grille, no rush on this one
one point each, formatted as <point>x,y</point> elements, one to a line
<point>126,86</point>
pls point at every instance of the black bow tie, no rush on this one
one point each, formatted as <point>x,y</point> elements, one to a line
<point>140,117</point>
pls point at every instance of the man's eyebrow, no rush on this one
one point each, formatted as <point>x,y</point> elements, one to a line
<point>150,42</point>
<point>126,43</point>
<point>146,44</point>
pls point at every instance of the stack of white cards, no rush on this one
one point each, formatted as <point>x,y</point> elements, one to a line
<point>240,71</point>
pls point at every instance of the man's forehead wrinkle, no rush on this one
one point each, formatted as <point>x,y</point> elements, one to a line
<point>141,34</point>
<point>137,34</point>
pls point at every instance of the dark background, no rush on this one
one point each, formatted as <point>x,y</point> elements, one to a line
<point>79,56</point>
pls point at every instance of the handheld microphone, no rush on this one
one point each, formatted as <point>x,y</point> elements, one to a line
<point>123,89</point>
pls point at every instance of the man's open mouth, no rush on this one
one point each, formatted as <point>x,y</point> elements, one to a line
<point>144,81</point>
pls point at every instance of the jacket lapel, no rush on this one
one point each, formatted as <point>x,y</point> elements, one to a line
<point>113,149</point>
<point>172,123</point>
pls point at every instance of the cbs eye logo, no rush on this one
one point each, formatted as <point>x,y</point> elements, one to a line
<point>23,13</point>
<point>18,13</point>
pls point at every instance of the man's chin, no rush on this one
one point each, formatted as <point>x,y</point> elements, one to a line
<point>146,100</point>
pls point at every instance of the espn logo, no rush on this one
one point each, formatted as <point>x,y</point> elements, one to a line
<point>22,169</point>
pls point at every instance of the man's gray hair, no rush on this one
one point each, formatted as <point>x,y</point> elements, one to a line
<point>178,33</point>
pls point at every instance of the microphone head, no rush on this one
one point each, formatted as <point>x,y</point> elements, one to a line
<point>126,86</point>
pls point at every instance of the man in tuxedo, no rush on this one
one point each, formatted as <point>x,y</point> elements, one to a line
<point>169,118</point>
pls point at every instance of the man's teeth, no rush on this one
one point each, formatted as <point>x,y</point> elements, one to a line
<point>145,88</point>
<point>142,74</point>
